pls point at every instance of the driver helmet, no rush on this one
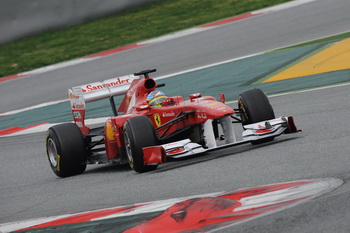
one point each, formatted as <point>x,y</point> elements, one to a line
<point>155,98</point>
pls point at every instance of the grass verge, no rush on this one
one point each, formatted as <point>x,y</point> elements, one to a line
<point>135,25</point>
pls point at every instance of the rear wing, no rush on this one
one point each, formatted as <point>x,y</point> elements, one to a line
<point>96,91</point>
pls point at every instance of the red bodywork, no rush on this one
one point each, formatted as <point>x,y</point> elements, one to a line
<point>134,104</point>
<point>146,136</point>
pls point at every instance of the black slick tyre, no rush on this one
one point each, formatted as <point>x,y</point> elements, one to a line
<point>254,106</point>
<point>138,133</point>
<point>66,150</point>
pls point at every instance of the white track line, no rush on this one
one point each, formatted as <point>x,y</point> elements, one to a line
<point>33,107</point>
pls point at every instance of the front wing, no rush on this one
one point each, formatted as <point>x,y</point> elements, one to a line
<point>253,132</point>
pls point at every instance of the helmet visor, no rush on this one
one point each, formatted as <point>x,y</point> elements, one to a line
<point>157,100</point>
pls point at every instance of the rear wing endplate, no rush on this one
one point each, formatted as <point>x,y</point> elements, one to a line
<point>96,91</point>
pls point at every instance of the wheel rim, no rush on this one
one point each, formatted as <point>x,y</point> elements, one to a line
<point>128,149</point>
<point>52,152</point>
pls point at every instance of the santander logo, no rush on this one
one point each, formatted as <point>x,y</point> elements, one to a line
<point>78,106</point>
<point>107,83</point>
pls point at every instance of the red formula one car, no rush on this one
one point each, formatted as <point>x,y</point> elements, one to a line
<point>154,128</point>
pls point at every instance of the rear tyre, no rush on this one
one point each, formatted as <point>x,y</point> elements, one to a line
<point>254,107</point>
<point>138,133</point>
<point>66,150</point>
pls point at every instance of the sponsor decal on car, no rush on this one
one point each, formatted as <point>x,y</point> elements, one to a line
<point>76,99</point>
<point>202,116</point>
<point>108,83</point>
<point>168,114</point>
<point>157,119</point>
<point>77,115</point>
<point>78,106</point>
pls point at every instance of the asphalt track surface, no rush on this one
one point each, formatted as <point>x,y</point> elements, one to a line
<point>29,189</point>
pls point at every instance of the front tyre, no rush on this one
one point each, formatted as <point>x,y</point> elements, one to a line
<point>138,133</point>
<point>254,106</point>
<point>66,150</point>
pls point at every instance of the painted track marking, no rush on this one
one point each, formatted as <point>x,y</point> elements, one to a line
<point>212,211</point>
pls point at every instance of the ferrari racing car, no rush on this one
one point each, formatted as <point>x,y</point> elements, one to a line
<point>150,128</point>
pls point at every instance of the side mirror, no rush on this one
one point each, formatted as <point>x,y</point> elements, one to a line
<point>222,97</point>
<point>195,96</point>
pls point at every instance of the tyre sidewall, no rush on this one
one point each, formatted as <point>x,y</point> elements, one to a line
<point>255,107</point>
<point>70,148</point>
<point>141,133</point>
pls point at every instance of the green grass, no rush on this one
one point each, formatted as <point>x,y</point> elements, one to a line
<point>132,26</point>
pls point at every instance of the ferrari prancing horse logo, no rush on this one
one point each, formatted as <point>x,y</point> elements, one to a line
<point>157,120</point>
